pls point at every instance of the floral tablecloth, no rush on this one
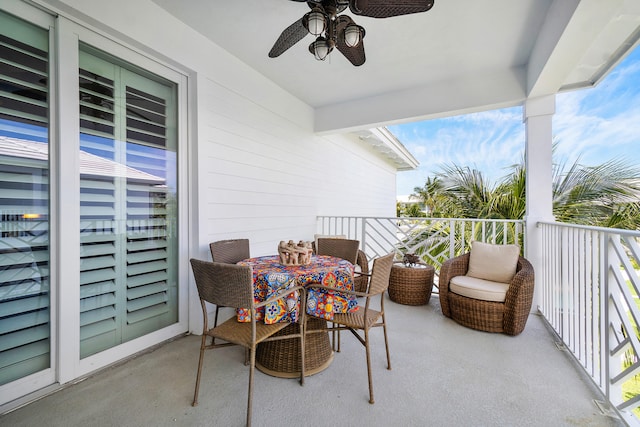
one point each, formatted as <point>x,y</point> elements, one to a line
<point>269,277</point>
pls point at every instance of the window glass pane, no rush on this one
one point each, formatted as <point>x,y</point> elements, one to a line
<point>24,200</point>
<point>128,198</point>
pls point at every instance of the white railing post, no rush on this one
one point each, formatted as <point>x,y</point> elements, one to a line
<point>363,240</point>
<point>609,303</point>
<point>452,238</point>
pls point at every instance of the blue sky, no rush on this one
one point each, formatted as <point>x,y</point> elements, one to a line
<point>593,124</point>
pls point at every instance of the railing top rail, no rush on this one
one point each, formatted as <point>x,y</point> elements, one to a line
<point>396,218</point>
<point>607,230</point>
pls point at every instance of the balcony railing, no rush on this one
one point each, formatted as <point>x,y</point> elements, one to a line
<point>589,295</point>
<point>587,286</point>
<point>434,239</point>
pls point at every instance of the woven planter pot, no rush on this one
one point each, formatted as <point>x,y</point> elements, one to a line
<point>281,358</point>
<point>411,285</point>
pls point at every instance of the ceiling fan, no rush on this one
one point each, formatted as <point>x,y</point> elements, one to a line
<point>333,30</point>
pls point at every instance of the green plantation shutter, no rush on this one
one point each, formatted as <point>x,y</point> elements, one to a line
<point>128,265</point>
<point>24,200</point>
<point>98,225</point>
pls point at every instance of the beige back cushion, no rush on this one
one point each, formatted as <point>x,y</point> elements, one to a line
<point>496,263</point>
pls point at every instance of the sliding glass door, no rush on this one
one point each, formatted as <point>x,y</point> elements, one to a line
<point>89,227</point>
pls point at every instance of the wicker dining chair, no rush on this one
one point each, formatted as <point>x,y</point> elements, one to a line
<point>366,317</point>
<point>346,249</point>
<point>232,286</point>
<point>508,316</point>
<point>229,252</point>
<point>361,278</point>
<point>340,248</point>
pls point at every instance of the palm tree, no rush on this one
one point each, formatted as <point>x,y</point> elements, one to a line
<point>468,190</point>
<point>607,195</point>
<point>413,211</point>
<point>433,197</point>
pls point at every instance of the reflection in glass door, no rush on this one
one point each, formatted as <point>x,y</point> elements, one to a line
<point>25,345</point>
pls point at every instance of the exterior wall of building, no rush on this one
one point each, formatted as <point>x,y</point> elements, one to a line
<point>263,177</point>
<point>250,164</point>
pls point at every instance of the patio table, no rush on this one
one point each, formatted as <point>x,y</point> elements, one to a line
<point>282,358</point>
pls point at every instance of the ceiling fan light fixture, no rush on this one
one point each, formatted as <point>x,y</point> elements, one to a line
<point>353,34</point>
<point>332,29</point>
<point>320,48</point>
<point>315,22</point>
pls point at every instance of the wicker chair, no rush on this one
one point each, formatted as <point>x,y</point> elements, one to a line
<point>229,252</point>
<point>508,317</point>
<point>366,317</point>
<point>344,248</point>
<point>341,248</point>
<point>232,286</point>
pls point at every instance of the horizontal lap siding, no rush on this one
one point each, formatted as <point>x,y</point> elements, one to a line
<point>266,178</point>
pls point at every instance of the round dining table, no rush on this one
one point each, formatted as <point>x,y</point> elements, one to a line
<point>281,358</point>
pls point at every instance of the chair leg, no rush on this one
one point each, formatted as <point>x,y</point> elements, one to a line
<point>386,341</point>
<point>215,323</point>
<point>303,332</point>
<point>250,398</point>
<point>335,336</point>
<point>197,390</point>
<point>368,351</point>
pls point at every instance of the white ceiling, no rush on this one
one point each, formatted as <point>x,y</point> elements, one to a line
<point>462,55</point>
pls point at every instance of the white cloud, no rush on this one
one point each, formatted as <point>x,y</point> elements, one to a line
<point>489,141</point>
<point>594,124</point>
<point>602,123</point>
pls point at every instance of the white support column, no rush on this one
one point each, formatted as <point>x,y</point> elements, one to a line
<point>538,114</point>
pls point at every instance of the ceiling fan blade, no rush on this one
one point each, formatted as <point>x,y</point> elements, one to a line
<point>290,36</point>
<point>355,55</point>
<point>389,8</point>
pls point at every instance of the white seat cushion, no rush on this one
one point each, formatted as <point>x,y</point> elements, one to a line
<point>472,287</point>
<point>496,263</point>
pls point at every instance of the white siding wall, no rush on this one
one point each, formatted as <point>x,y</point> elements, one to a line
<point>266,178</point>
<point>256,169</point>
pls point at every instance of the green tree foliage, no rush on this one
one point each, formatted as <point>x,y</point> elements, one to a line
<point>607,195</point>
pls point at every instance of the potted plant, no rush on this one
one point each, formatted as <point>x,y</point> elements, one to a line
<point>411,281</point>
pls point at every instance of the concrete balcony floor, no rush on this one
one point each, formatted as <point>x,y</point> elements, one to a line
<point>443,374</point>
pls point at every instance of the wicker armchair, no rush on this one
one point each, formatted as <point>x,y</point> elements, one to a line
<point>508,317</point>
